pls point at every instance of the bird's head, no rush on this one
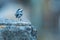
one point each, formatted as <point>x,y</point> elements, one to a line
<point>20,10</point>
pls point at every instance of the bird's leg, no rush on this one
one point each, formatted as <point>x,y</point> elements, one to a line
<point>20,19</point>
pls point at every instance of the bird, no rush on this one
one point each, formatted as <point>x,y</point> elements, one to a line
<point>19,13</point>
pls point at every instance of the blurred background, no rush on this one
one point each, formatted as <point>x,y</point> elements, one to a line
<point>43,14</point>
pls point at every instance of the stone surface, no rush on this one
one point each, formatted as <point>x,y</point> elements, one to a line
<point>18,33</point>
